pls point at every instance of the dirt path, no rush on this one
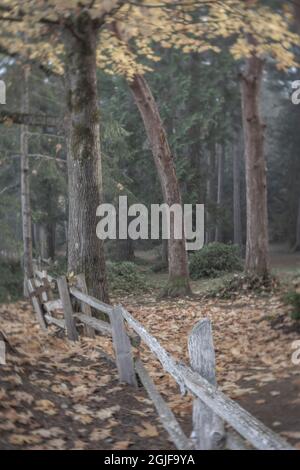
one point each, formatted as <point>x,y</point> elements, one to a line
<point>55,395</point>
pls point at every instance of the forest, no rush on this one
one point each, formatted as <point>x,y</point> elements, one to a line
<point>149,330</point>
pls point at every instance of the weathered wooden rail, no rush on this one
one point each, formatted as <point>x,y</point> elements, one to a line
<point>218,421</point>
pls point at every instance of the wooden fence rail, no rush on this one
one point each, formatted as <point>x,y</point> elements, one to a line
<point>212,410</point>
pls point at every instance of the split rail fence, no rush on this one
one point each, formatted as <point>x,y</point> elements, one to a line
<point>218,421</point>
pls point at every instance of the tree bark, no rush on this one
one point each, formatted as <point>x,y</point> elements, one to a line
<point>164,252</point>
<point>178,282</point>
<point>237,216</point>
<point>256,186</point>
<point>25,188</point>
<point>297,24</point>
<point>220,192</point>
<point>210,193</point>
<point>297,244</point>
<point>85,250</point>
<point>47,240</point>
<point>125,251</point>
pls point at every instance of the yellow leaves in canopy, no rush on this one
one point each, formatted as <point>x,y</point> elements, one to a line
<point>187,25</point>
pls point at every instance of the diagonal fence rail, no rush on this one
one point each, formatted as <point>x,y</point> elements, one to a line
<point>218,421</point>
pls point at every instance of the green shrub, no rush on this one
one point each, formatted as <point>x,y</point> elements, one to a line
<point>11,280</point>
<point>293,299</point>
<point>215,259</point>
<point>124,276</point>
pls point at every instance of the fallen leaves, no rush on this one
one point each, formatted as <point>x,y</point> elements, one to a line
<point>46,406</point>
<point>21,439</point>
<point>106,413</point>
<point>83,401</point>
<point>147,430</point>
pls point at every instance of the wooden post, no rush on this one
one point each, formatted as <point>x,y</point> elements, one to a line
<point>67,308</point>
<point>86,309</point>
<point>122,347</point>
<point>36,304</point>
<point>47,284</point>
<point>208,429</point>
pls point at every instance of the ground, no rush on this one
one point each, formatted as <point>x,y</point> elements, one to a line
<point>59,395</point>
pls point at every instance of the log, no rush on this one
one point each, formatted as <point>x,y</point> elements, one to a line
<point>243,422</point>
<point>42,274</point>
<point>91,301</point>
<point>67,308</point>
<point>253,430</point>
<point>122,347</point>
<point>208,429</point>
<point>94,323</point>
<point>55,321</point>
<point>53,305</point>
<point>167,417</point>
<point>235,442</point>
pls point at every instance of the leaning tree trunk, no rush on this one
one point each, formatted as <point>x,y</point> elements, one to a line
<point>178,282</point>
<point>25,189</point>
<point>85,250</point>
<point>237,216</point>
<point>256,185</point>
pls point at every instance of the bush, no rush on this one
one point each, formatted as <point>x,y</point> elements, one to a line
<point>11,280</point>
<point>124,276</point>
<point>293,299</point>
<point>215,259</point>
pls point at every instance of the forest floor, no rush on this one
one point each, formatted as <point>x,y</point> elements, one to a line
<point>59,395</point>
<point>55,394</point>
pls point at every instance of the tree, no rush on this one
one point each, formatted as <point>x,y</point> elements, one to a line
<point>220,192</point>
<point>237,217</point>
<point>256,183</point>
<point>178,282</point>
<point>74,32</point>
<point>85,250</point>
<point>25,187</point>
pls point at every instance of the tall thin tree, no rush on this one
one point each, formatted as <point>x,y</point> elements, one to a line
<point>25,184</point>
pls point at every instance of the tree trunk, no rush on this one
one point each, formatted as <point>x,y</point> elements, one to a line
<point>237,216</point>
<point>25,188</point>
<point>210,193</point>
<point>85,250</point>
<point>297,23</point>
<point>164,252</point>
<point>178,282</point>
<point>220,195</point>
<point>47,240</point>
<point>125,251</point>
<point>297,244</point>
<point>256,185</point>
<point>51,238</point>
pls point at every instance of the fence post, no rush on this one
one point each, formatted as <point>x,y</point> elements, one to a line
<point>208,429</point>
<point>36,304</point>
<point>48,295</point>
<point>86,309</point>
<point>67,308</point>
<point>122,347</point>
